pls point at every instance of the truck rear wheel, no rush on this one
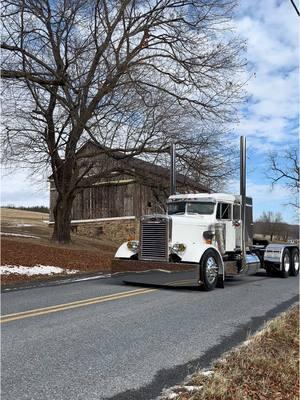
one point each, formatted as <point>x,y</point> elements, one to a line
<point>209,270</point>
<point>294,271</point>
<point>285,264</point>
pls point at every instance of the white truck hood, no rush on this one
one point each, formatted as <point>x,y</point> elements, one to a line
<point>189,229</point>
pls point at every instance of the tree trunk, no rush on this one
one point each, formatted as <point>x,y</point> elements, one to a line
<point>62,219</point>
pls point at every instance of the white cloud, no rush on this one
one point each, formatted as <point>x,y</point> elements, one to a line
<point>19,189</point>
<point>271,29</point>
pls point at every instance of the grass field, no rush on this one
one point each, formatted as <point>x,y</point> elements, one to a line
<point>12,216</point>
<point>35,224</point>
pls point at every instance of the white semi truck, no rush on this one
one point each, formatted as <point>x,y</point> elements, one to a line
<point>202,239</point>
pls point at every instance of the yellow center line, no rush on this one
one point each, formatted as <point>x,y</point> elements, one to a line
<point>75,304</point>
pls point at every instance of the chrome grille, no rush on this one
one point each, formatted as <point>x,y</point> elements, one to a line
<point>154,238</point>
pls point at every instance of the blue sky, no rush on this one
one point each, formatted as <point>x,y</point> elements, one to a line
<point>269,118</point>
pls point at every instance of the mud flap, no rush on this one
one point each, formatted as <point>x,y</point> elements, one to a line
<point>220,282</point>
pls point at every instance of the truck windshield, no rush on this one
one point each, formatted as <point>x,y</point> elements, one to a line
<point>176,208</point>
<point>202,208</point>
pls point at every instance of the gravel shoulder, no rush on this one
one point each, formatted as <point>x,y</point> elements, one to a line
<point>266,366</point>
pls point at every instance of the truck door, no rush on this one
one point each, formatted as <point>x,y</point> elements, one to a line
<point>224,215</point>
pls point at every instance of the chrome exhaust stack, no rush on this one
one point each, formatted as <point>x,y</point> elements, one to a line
<point>243,157</point>
<point>173,169</point>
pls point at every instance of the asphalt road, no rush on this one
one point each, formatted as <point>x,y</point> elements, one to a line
<point>85,340</point>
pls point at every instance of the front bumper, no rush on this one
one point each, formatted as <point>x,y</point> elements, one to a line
<point>157,273</point>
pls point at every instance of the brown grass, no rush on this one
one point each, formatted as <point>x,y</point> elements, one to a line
<point>83,253</point>
<point>12,221</point>
<point>12,216</point>
<point>22,252</point>
<point>266,368</point>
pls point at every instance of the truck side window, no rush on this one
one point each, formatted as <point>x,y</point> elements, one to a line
<point>236,212</point>
<point>224,211</point>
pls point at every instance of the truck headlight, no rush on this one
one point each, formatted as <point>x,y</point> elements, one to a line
<point>178,247</point>
<point>133,245</point>
<point>208,236</point>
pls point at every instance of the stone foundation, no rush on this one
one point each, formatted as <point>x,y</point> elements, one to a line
<point>118,230</point>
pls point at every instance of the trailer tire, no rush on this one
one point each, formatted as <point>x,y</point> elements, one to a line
<point>285,264</point>
<point>294,270</point>
<point>209,270</point>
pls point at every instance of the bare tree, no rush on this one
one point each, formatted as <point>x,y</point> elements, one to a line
<point>129,75</point>
<point>271,224</point>
<point>286,169</point>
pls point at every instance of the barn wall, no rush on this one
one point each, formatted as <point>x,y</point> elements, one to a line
<point>114,200</point>
<point>144,201</point>
<point>104,201</point>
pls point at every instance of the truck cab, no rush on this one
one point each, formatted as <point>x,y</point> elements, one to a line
<point>192,223</point>
<point>196,215</point>
<point>195,225</point>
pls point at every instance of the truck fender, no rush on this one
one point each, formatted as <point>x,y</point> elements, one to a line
<point>274,252</point>
<point>221,263</point>
<point>124,252</point>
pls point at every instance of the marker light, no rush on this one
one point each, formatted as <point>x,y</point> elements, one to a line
<point>178,247</point>
<point>133,245</point>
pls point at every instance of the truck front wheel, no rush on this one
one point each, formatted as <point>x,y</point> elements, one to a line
<point>294,262</point>
<point>209,270</point>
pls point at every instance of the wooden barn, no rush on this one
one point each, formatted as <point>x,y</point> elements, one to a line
<point>128,188</point>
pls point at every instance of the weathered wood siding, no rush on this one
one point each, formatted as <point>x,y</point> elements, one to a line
<point>104,201</point>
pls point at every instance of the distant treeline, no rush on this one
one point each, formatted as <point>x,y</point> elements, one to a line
<point>276,230</point>
<point>41,209</point>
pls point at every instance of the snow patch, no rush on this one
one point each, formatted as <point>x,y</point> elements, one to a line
<point>207,373</point>
<point>172,396</point>
<point>192,388</point>
<point>19,235</point>
<point>36,270</point>
<point>175,391</point>
<point>168,394</point>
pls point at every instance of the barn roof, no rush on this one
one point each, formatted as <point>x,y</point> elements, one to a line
<point>165,173</point>
<point>142,165</point>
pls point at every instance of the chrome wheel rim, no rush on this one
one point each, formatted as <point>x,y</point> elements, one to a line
<point>296,262</point>
<point>286,263</point>
<point>211,269</point>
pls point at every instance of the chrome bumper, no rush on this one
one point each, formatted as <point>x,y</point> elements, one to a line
<point>156,273</point>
